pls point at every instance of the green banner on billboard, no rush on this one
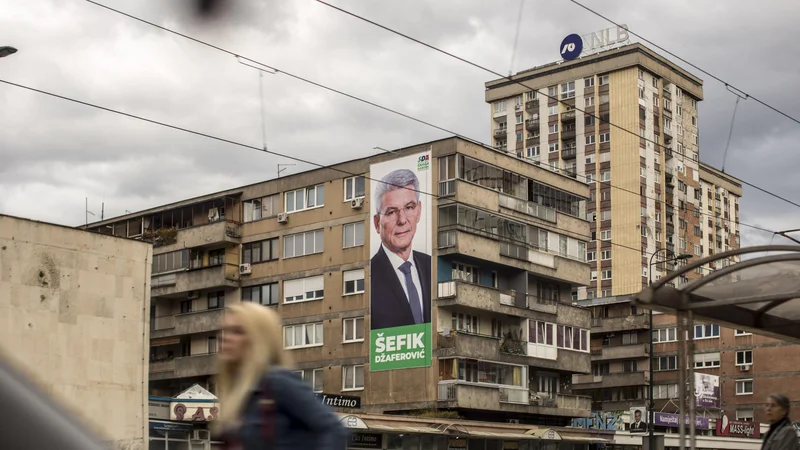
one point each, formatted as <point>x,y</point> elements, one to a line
<point>400,347</point>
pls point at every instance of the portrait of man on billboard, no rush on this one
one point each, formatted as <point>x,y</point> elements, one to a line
<point>638,423</point>
<point>401,277</point>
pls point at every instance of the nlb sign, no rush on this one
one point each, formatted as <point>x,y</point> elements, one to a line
<point>574,45</point>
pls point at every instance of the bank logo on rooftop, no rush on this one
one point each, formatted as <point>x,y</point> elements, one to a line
<point>575,46</point>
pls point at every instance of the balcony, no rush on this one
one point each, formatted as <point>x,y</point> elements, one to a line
<point>532,124</point>
<point>218,234</point>
<point>568,116</point>
<point>500,132</point>
<point>511,399</point>
<point>482,245</point>
<point>528,208</point>
<point>568,133</point>
<point>184,367</point>
<point>667,93</point>
<point>531,105</point>
<point>620,324</point>
<point>569,153</point>
<point>580,382</point>
<point>208,277</point>
<point>187,323</point>
<point>632,351</point>
<point>483,298</point>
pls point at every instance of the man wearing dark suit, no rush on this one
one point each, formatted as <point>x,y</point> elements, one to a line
<point>637,426</point>
<point>400,278</point>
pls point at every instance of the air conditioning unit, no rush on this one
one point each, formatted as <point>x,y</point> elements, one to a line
<point>200,435</point>
<point>245,269</point>
<point>357,203</point>
<point>745,368</point>
<point>283,218</point>
<point>194,295</point>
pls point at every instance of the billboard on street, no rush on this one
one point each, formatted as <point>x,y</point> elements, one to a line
<point>400,266</point>
<point>706,390</point>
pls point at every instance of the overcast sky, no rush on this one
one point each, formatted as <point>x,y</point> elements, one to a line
<point>53,153</point>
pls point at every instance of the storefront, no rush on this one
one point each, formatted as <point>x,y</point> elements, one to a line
<point>417,433</point>
<point>181,423</point>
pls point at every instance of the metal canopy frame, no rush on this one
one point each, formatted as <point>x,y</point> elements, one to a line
<point>760,295</point>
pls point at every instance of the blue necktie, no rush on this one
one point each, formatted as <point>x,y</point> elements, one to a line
<point>413,297</point>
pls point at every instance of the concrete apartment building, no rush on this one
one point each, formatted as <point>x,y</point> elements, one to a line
<point>75,319</point>
<point>508,248</point>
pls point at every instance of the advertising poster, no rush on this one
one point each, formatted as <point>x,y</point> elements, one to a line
<point>400,265</point>
<point>638,419</point>
<point>706,390</point>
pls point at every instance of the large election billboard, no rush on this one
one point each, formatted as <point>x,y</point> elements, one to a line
<point>400,267</point>
<point>706,390</point>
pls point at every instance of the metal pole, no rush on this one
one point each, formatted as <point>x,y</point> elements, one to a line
<point>681,380</point>
<point>650,421</point>
<point>693,398</point>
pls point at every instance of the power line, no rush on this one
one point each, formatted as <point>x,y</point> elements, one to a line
<point>275,71</point>
<point>727,85</point>
<point>509,78</point>
<point>251,147</point>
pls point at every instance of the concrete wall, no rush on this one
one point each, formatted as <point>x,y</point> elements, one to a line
<point>74,309</point>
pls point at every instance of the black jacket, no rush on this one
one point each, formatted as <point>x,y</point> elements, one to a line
<point>298,420</point>
<point>781,436</point>
<point>389,306</point>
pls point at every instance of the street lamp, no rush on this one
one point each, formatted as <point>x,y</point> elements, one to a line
<point>675,258</point>
<point>6,51</point>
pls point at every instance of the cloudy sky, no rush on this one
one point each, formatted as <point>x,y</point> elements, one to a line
<point>54,154</point>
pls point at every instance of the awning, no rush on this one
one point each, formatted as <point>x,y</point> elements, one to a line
<point>587,439</point>
<point>760,294</point>
<point>547,434</point>
<point>355,422</point>
<point>489,434</point>
<point>165,341</point>
<point>400,429</point>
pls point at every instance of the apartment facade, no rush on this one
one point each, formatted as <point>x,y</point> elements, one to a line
<point>582,118</point>
<point>75,307</point>
<point>508,248</point>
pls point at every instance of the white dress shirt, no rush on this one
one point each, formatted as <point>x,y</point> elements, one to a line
<point>396,262</point>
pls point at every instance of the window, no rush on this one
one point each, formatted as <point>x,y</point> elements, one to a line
<point>588,121</point>
<point>353,281</point>
<point>698,250</point>
<point>552,91</point>
<point>261,208</point>
<point>531,95</point>
<point>605,235</point>
<point>518,100</point>
<point>679,110</point>
<point>312,376</point>
<point>698,231</point>
<point>593,275</point>
<point>605,137</point>
<point>170,262</point>
<point>216,300</point>
<point>744,358</point>
<point>589,139</point>
<point>745,415</point>
<point>603,80</point>
<point>606,194</point>
<point>216,257</point>
<point>629,338</point>
<point>642,113</point>
<point>305,198</point>
<point>519,137</point>
<point>643,172</point>
<point>665,391</point>
<point>553,129</point>
<point>592,256</point>
<point>302,244</point>
<point>186,306</point>
<point>213,346</point>
<point>572,338</point>
<point>741,333</point>
<point>706,360</point>
<point>552,110</point>
<point>680,130</point>
<point>265,294</point>
<point>744,387</point>
<point>352,377</point>
<point>533,152</point>
<point>605,255</point>
<point>667,104</point>
<point>630,366</point>
<point>667,122</point>
<point>519,119</point>
<point>694,120</point>
<point>500,106</point>
<point>663,363</point>
<point>604,99</point>
<point>590,177</point>
<point>655,82</point>
<point>706,331</point>
<point>588,82</point>
<point>641,92</point>
<point>605,176</point>
<point>655,101</point>
<point>606,275</point>
<point>553,147</point>
<point>354,187</point>
<point>665,335</point>
<point>352,234</point>
<point>605,214</point>
<point>261,251</point>
<point>301,289</point>
<point>302,335</point>
<point>353,330</point>
<point>588,101</point>
<point>567,90</point>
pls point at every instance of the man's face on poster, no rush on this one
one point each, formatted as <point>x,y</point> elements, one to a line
<point>638,416</point>
<point>397,221</point>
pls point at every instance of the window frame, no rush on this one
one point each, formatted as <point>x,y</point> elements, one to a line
<point>345,281</point>
<point>354,226</point>
<point>277,297</point>
<point>355,338</point>
<point>314,377</point>
<point>743,383</point>
<point>305,191</point>
<point>303,236</point>
<point>304,326</point>
<point>350,194</point>
<point>274,247</point>
<point>744,354</point>
<point>318,294</point>
<point>355,368</point>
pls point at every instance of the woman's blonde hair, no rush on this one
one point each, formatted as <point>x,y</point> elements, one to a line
<point>236,380</point>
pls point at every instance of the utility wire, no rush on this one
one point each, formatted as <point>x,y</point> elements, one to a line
<point>271,152</point>
<point>509,78</point>
<point>274,70</point>
<point>516,37</point>
<point>730,134</point>
<point>687,62</point>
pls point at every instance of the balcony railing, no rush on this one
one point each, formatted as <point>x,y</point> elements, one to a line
<point>568,116</point>
<point>532,123</point>
<point>447,188</point>
<point>514,395</point>
<point>532,104</point>
<point>568,133</point>
<point>526,207</point>
<point>500,132</point>
<point>569,153</point>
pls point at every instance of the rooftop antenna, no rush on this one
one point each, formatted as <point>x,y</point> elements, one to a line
<point>261,69</point>
<point>88,212</point>
<point>284,168</point>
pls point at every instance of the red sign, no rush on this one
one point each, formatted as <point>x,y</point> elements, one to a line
<point>738,428</point>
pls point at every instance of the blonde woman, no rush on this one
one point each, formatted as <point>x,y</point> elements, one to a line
<point>263,404</point>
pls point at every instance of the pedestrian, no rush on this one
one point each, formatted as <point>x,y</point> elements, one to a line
<point>781,434</point>
<point>263,405</point>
